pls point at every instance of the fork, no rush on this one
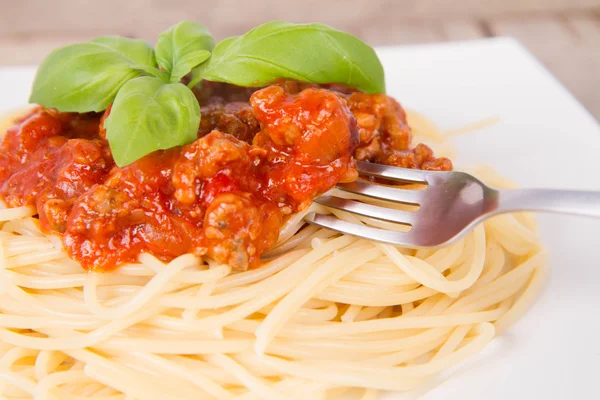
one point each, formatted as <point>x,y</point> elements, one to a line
<point>450,205</point>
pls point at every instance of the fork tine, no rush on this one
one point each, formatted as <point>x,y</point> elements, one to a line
<point>365,232</point>
<point>368,210</point>
<point>394,173</point>
<point>383,192</point>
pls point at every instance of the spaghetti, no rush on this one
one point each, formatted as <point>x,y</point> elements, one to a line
<point>325,314</point>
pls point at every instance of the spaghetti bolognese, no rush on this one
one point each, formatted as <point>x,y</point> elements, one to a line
<point>188,272</point>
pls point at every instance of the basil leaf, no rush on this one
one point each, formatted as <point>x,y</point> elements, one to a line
<point>182,47</point>
<point>87,76</point>
<point>151,71</point>
<point>148,115</point>
<point>139,51</point>
<point>305,52</point>
<point>199,73</point>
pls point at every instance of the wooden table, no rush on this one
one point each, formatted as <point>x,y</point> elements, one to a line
<point>563,34</point>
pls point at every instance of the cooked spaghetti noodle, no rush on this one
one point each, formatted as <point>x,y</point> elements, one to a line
<point>324,314</point>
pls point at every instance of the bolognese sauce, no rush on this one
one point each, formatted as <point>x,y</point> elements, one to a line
<point>261,155</point>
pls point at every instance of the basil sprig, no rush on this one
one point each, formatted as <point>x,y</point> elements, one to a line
<point>151,108</point>
<point>182,47</point>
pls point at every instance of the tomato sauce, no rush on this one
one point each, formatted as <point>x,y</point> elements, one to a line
<point>261,155</point>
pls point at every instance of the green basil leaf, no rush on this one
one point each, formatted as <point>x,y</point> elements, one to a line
<point>148,115</point>
<point>305,52</point>
<point>87,76</point>
<point>139,51</point>
<point>183,47</point>
<point>198,73</point>
<point>151,71</point>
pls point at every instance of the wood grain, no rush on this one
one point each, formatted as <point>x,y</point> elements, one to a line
<point>233,16</point>
<point>464,30</point>
<point>569,47</point>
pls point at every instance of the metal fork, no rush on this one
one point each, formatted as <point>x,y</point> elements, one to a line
<point>450,205</point>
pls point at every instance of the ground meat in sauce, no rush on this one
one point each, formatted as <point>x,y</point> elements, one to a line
<point>385,136</point>
<point>236,118</point>
<point>261,155</point>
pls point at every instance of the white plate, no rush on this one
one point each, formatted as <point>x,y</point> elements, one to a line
<point>553,352</point>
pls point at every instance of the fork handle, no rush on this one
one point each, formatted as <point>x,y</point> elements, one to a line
<point>576,202</point>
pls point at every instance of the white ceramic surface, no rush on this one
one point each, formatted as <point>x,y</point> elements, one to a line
<point>554,352</point>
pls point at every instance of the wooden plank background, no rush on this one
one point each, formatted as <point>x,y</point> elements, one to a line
<point>564,34</point>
